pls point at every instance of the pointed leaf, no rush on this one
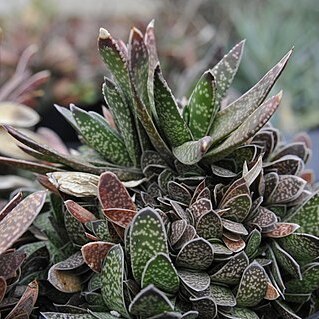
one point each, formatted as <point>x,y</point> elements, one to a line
<point>222,296</point>
<point>205,306</point>
<point>201,105</point>
<point>253,242</point>
<point>192,152</point>
<point>225,70</point>
<point>124,119</point>
<point>170,120</point>
<point>161,272</point>
<point>79,212</point>
<point>10,262</point>
<point>56,315</point>
<point>282,230</point>
<point>147,238</point>
<point>19,219</point>
<point>194,281</point>
<point>230,118</point>
<point>150,302</point>
<point>247,129</point>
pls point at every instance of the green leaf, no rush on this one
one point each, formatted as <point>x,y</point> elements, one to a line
<point>101,137</point>
<point>124,119</point>
<point>194,282</point>
<point>232,271</point>
<point>237,208</point>
<point>19,219</point>
<point>147,239</point>
<point>309,282</point>
<point>56,315</point>
<point>253,242</point>
<point>286,261</point>
<point>302,247</point>
<point>75,229</point>
<point>205,306</point>
<point>253,286</point>
<point>196,254</point>
<point>222,296</point>
<point>307,216</point>
<point>161,272</point>
<point>209,225</point>
<point>170,120</point>
<point>150,302</point>
<point>233,116</point>
<point>284,310</point>
<point>246,129</point>
<point>112,279</point>
<point>225,70</point>
<point>244,313</point>
<point>192,152</point>
<point>201,106</point>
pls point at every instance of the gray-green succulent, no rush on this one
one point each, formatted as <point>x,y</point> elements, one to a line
<point>172,209</point>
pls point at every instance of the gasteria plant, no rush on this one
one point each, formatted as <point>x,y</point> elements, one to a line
<point>173,209</point>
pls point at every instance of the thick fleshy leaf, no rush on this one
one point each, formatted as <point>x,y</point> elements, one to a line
<point>13,202</point>
<point>307,216</point>
<point>232,271</point>
<point>248,128</point>
<point>287,165</point>
<point>230,118</point>
<point>19,219</point>
<point>309,282</point>
<point>10,262</point>
<point>101,137</point>
<point>222,296</point>
<point>209,225</point>
<point>252,174</point>
<point>271,292</point>
<point>244,313</point>
<point>120,217</point>
<point>302,247</point>
<point>201,207</point>
<point>75,229</point>
<point>236,228</point>
<point>282,230</point>
<point>265,218</point>
<point>235,244</point>
<point>286,261</point>
<point>147,239</point>
<point>112,278</point>
<point>252,242</point>
<point>63,280</point>
<point>77,184</point>
<point>170,120</point>
<point>194,281</point>
<point>253,286</point>
<point>196,254</point>
<point>225,70</point>
<point>237,208</point>
<point>3,288</point>
<point>289,188</point>
<point>201,106</point>
<point>188,235</point>
<point>56,315</point>
<point>284,310</point>
<point>124,119</point>
<point>113,194</point>
<point>26,302</point>
<point>150,302</point>
<point>161,272</point>
<point>178,192</point>
<point>176,231</point>
<point>205,306</point>
<point>95,253</point>
<point>79,212</point>
<point>192,152</point>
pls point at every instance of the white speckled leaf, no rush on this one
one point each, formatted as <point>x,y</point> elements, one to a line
<point>101,137</point>
<point>112,279</point>
<point>231,117</point>
<point>225,70</point>
<point>147,239</point>
<point>201,106</point>
<point>174,127</point>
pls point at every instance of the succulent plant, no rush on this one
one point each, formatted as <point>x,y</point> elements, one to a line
<point>172,209</point>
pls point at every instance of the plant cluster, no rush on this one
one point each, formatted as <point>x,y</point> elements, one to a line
<point>170,209</point>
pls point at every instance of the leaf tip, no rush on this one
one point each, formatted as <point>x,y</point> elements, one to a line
<point>104,34</point>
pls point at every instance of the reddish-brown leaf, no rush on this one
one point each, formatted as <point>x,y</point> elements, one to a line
<point>3,288</point>
<point>10,262</point>
<point>10,205</point>
<point>19,219</point>
<point>282,230</point>
<point>121,217</point>
<point>95,253</point>
<point>79,212</point>
<point>271,293</point>
<point>113,194</point>
<point>234,246</point>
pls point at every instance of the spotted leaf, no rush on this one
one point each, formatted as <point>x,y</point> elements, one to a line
<point>19,219</point>
<point>205,306</point>
<point>282,230</point>
<point>222,296</point>
<point>209,225</point>
<point>56,315</point>
<point>253,242</point>
<point>170,120</point>
<point>307,216</point>
<point>253,286</point>
<point>195,254</point>
<point>101,137</point>
<point>124,119</point>
<point>160,272</point>
<point>147,239</point>
<point>79,212</point>
<point>95,253</point>
<point>201,106</point>
<point>232,271</point>
<point>195,282</point>
<point>150,302</point>
<point>112,278</point>
<point>231,117</point>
